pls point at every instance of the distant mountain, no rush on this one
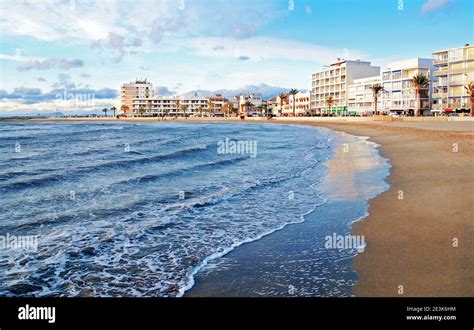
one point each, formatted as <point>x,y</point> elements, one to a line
<point>267,91</point>
<point>32,114</point>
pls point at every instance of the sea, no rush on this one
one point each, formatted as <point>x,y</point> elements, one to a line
<point>126,209</point>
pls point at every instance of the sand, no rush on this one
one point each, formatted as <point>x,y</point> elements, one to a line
<point>423,244</point>
<point>410,240</point>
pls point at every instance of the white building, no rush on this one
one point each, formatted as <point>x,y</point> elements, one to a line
<point>170,106</point>
<point>399,93</point>
<point>301,102</point>
<point>254,99</point>
<point>455,70</point>
<point>333,81</point>
<point>360,98</point>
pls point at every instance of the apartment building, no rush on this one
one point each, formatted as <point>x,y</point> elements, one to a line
<point>360,98</point>
<point>333,80</point>
<point>216,103</point>
<point>255,99</point>
<point>301,102</point>
<point>399,93</point>
<point>140,89</point>
<point>456,70</point>
<point>170,106</point>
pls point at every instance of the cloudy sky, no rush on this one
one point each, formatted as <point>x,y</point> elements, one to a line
<point>52,49</point>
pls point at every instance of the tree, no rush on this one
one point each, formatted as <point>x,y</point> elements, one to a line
<point>184,108</point>
<point>178,106</point>
<point>104,110</point>
<point>141,110</point>
<point>419,81</point>
<point>200,110</point>
<point>293,93</point>
<point>210,107</point>
<point>124,109</point>
<point>248,107</point>
<point>283,98</point>
<point>113,109</point>
<point>227,107</point>
<point>329,102</point>
<point>149,105</point>
<point>470,91</point>
<point>376,89</point>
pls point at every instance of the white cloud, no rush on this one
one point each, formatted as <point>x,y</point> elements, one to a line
<point>432,5</point>
<point>259,48</point>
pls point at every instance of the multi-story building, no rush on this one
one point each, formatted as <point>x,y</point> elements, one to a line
<point>216,103</point>
<point>360,98</point>
<point>140,89</point>
<point>332,81</point>
<point>254,99</point>
<point>399,93</point>
<point>170,106</point>
<point>301,103</point>
<point>456,70</point>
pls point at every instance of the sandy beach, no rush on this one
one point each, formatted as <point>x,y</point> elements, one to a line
<point>410,240</point>
<point>419,232</point>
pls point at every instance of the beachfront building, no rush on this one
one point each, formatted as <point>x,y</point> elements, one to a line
<point>216,103</point>
<point>140,89</point>
<point>360,98</point>
<point>456,70</point>
<point>399,93</point>
<point>273,106</point>
<point>249,103</point>
<point>171,106</point>
<point>333,80</point>
<point>301,102</point>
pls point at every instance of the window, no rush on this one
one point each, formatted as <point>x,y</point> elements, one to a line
<point>397,85</point>
<point>386,76</point>
<point>396,75</point>
<point>455,54</point>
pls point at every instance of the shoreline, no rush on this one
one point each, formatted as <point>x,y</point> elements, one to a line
<point>284,254</point>
<point>410,241</point>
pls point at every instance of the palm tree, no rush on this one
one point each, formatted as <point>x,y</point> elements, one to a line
<point>329,102</point>
<point>470,91</point>
<point>228,106</point>
<point>104,110</point>
<point>141,110</point>
<point>419,81</point>
<point>283,98</point>
<point>178,105</point>
<point>210,107</point>
<point>149,106</point>
<point>293,92</point>
<point>184,108</point>
<point>124,109</point>
<point>248,105</point>
<point>200,110</point>
<point>113,109</point>
<point>376,89</point>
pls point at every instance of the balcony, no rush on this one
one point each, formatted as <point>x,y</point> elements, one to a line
<point>439,61</point>
<point>438,95</point>
<point>462,70</point>
<point>440,83</point>
<point>440,73</point>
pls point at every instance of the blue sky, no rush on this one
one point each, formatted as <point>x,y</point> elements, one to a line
<point>49,47</point>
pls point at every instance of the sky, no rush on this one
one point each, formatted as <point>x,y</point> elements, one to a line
<point>73,55</point>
